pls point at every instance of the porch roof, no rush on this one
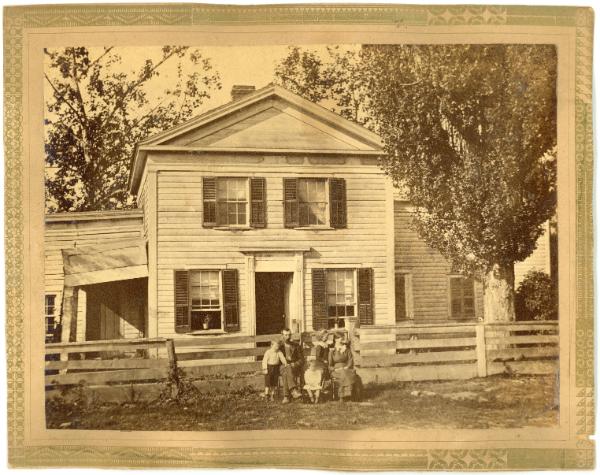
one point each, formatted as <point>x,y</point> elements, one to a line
<point>108,262</point>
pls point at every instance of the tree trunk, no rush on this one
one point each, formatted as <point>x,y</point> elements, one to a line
<point>499,294</point>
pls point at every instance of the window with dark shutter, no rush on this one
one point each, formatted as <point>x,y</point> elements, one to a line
<point>462,298</point>
<point>365,296</point>
<point>231,300</point>
<point>209,199</point>
<point>258,202</point>
<point>401,312</point>
<point>337,203</point>
<point>290,202</point>
<point>182,308</point>
<point>319,299</point>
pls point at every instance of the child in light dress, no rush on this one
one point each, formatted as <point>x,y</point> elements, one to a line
<point>273,359</point>
<point>313,380</point>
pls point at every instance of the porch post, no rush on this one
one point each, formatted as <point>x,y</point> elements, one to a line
<point>299,283</point>
<point>69,315</point>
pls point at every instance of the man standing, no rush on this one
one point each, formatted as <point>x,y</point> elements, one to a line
<point>295,361</point>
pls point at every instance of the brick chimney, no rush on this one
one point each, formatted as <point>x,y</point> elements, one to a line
<point>238,91</point>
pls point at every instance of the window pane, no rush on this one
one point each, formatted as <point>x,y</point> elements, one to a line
<point>313,201</point>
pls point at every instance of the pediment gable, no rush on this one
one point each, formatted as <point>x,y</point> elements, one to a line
<point>274,126</point>
<point>271,119</point>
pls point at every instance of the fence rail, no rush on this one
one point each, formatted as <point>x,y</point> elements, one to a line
<point>407,353</point>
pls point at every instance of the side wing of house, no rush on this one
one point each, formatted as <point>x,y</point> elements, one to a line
<point>426,288</point>
<point>98,259</point>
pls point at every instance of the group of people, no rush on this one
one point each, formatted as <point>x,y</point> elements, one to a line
<point>333,363</point>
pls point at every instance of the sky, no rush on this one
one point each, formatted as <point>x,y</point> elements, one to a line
<point>247,65</point>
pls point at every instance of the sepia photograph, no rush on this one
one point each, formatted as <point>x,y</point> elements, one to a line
<point>337,236</point>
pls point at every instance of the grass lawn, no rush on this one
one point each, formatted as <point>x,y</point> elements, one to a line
<point>493,402</point>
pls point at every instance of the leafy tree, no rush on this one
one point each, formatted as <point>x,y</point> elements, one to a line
<point>339,81</point>
<point>98,110</point>
<point>470,135</point>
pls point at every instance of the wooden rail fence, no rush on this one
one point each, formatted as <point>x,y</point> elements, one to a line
<point>408,353</point>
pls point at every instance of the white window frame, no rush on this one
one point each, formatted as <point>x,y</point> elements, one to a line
<point>327,223</point>
<point>246,225</point>
<point>450,317</point>
<point>47,315</point>
<point>220,309</point>
<point>408,295</point>
<point>354,289</point>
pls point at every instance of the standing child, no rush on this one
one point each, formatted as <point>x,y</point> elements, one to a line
<point>271,362</point>
<point>313,380</point>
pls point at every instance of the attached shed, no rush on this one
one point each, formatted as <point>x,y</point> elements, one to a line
<point>96,276</point>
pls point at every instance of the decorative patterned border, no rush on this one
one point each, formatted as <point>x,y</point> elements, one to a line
<point>18,18</point>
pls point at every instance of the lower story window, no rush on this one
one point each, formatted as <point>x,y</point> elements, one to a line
<point>50,317</point>
<point>205,300</point>
<point>341,296</point>
<point>462,298</point>
<point>403,285</point>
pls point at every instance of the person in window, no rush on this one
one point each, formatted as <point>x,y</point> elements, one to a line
<point>292,372</point>
<point>341,367</point>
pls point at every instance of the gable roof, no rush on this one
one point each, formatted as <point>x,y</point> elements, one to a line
<point>256,124</point>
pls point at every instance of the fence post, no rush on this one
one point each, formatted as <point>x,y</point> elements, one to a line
<point>480,350</point>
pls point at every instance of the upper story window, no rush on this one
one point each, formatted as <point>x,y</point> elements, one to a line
<point>314,202</point>
<point>462,297</point>
<point>234,202</point>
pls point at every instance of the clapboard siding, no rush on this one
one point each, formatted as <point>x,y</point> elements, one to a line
<point>182,241</point>
<point>538,260</point>
<point>428,268</point>
<point>66,230</point>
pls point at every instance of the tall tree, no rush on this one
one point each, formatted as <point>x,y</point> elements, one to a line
<point>470,135</point>
<point>335,78</point>
<point>98,109</point>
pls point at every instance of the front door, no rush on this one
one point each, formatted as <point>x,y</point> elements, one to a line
<point>272,290</point>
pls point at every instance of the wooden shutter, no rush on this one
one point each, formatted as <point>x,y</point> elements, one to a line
<point>456,297</point>
<point>400,297</point>
<point>290,203</point>
<point>365,296</point>
<point>319,299</point>
<point>182,302</point>
<point>468,303</point>
<point>337,203</point>
<point>258,200</point>
<point>231,300</point>
<point>209,199</point>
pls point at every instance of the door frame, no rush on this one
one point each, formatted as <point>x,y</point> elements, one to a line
<point>277,261</point>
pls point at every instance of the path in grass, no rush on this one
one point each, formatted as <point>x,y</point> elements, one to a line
<point>494,402</point>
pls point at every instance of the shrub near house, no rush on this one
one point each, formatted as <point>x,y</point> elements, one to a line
<point>536,297</point>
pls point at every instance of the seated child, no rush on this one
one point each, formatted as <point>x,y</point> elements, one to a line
<point>271,362</point>
<point>313,380</point>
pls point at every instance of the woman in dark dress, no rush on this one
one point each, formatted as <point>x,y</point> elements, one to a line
<point>341,367</point>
